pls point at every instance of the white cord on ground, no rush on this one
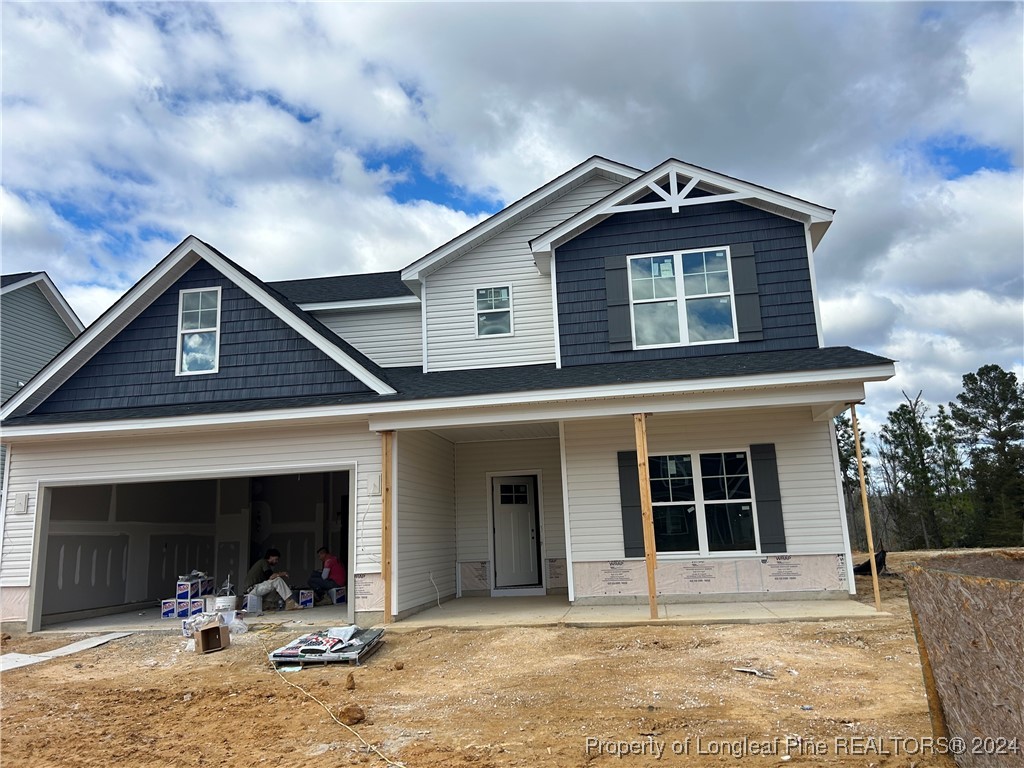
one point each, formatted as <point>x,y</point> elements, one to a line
<point>327,709</point>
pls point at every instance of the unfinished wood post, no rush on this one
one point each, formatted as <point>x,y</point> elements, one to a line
<point>864,502</point>
<point>646,511</point>
<point>387,443</point>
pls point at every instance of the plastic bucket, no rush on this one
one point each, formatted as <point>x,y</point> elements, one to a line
<point>226,603</point>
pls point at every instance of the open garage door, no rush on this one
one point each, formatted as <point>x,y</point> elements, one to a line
<point>117,546</point>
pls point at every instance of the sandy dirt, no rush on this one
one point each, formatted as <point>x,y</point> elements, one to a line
<point>843,693</point>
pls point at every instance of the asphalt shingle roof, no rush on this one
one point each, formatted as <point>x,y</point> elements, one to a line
<point>412,384</point>
<point>318,290</point>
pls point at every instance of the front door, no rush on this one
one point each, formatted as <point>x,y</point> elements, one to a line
<point>516,542</point>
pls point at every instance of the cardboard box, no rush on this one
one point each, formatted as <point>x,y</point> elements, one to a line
<point>252,604</point>
<point>168,609</point>
<point>305,598</point>
<point>183,608</point>
<point>338,595</point>
<point>196,606</point>
<point>187,589</point>
<point>206,586</point>
<point>210,639</point>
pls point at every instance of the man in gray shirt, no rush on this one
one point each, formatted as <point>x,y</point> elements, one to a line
<point>262,580</point>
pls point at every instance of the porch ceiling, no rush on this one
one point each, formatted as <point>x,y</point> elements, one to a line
<point>499,432</point>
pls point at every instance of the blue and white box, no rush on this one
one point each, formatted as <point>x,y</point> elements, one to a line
<point>305,598</point>
<point>182,608</point>
<point>168,609</point>
<point>187,589</point>
<point>196,606</point>
<point>338,595</point>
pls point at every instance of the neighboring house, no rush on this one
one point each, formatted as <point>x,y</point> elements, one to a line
<point>484,396</point>
<point>35,324</point>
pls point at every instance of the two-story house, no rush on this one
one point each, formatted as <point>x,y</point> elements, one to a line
<point>469,425</point>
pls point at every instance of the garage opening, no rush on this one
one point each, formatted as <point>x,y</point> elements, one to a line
<point>118,546</point>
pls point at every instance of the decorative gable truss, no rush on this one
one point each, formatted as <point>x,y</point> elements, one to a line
<point>678,185</point>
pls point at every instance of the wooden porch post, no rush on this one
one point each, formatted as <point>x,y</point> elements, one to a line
<point>387,443</point>
<point>646,512</point>
<point>864,503</point>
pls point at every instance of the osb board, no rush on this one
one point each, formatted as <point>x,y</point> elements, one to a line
<point>973,631</point>
<point>767,574</point>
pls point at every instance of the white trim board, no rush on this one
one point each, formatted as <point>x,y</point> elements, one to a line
<point>816,216</point>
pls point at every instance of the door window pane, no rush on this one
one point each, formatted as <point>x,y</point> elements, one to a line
<point>514,494</point>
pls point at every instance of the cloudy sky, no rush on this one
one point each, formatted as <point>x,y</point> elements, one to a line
<point>306,140</point>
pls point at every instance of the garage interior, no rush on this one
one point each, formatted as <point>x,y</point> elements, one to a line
<point>121,546</point>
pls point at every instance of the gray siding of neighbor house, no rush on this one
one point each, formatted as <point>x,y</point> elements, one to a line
<point>260,357</point>
<point>31,334</point>
<point>784,288</point>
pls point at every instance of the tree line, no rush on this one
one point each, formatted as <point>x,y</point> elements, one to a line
<point>948,477</point>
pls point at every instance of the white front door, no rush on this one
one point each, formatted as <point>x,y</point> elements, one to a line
<point>516,559</point>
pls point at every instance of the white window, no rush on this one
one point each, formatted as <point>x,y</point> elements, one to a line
<point>681,297</point>
<point>703,503</point>
<point>198,331</point>
<point>494,311</point>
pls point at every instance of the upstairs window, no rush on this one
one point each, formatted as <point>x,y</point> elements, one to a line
<point>494,311</point>
<point>681,298</point>
<point>198,331</point>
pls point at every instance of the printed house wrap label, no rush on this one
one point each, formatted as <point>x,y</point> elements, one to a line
<point>699,572</point>
<point>369,592</point>
<point>556,573</point>
<point>782,570</point>
<point>616,574</point>
<point>475,575</point>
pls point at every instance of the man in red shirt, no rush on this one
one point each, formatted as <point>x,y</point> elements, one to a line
<point>331,576</point>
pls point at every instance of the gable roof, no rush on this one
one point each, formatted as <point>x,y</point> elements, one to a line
<point>16,281</point>
<point>666,182</point>
<point>517,211</point>
<point>153,284</point>
<point>347,291</point>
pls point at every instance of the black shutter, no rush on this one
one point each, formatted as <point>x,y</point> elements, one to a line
<point>616,286</point>
<point>765,469</point>
<point>744,283</point>
<point>629,495</point>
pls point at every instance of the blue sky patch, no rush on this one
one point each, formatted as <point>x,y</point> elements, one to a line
<point>958,156</point>
<point>421,185</point>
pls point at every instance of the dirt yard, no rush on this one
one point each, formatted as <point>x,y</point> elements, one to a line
<point>843,693</point>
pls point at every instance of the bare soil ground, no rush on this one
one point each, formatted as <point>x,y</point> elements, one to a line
<point>843,693</point>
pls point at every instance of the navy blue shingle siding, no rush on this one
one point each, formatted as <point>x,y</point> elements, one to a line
<point>783,277</point>
<point>261,358</point>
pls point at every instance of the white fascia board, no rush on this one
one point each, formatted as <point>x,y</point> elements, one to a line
<point>814,285</point>
<point>391,410</point>
<point>472,237</point>
<point>775,397</point>
<point>55,297</point>
<point>382,303</point>
<point>802,210</point>
<point>76,354</point>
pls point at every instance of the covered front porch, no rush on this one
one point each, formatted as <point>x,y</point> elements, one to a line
<point>778,538</point>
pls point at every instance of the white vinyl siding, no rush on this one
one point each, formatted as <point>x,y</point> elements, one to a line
<point>425,522</point>
<point>391,336</point>
<point>510,457</point>
<point>199,453</point>
<point>505,259</point>
<point>810,501</point>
